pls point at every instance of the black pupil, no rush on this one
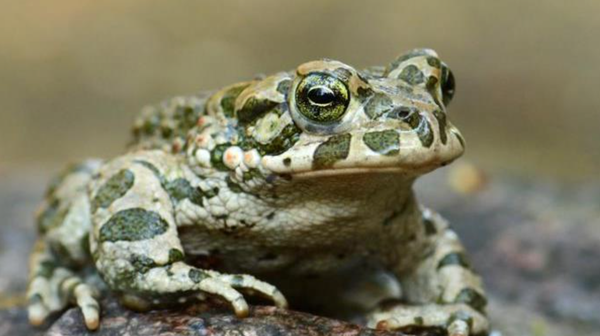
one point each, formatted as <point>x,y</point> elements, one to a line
<point>321,95</point>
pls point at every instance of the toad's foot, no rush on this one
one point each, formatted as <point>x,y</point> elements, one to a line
<point>227,286</point>
<point>50,295</point>
<point>455,319</point>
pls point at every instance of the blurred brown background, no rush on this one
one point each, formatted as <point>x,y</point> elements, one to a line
<point>73,74</point>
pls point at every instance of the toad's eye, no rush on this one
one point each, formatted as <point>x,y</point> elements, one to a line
<point>322,97</point>
<point>448,85</point>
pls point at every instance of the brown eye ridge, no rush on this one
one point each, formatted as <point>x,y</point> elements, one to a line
<point>322,97</point>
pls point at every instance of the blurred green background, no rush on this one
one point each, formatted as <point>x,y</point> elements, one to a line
<point>74,73</point>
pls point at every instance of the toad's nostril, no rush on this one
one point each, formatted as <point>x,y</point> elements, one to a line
<point>400,113</point>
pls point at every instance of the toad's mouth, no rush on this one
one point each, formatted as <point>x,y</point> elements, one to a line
<point>397,170</point>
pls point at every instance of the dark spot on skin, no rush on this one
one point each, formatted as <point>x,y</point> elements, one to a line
<point>152,168</point>
<point>271,216</point>
<point>197,275</point>
<point>412,54</point>
<point>46,269</point>
<point>175,255</point>
<point>472,298</point>
<point>52,216</point>
<point>254,108</point>
<point>133,225</point>
<point>460,138</point>
<point>364,93</point>
<point>281,143</point>
<point>412,75</point>
<point>422,127</point>
<point>378,105</point>
<point>383,142</point>
<point>228,99</point>
<point>211,192</point>
<point>454,258</point>
<point>429,227</point>
<point>142,263</point>
<point>431,83</point>
<point>434,62</point>
<point>166,132</point>
<point>419,320</point>
<point>115,188</point>
<point>234,187</point>
<point>336,148</point>
<point>343,74</point>
<point>442,122</point>
<point>252,174</point>
<point>180,189</point>
<point>287,162</point>
<point>284,86</point>
<point>35,299</point>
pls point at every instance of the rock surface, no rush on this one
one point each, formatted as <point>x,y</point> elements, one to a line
<point>536,243</point>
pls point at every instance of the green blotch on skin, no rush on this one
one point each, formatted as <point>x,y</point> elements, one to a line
<point>197,275</point>
<point>414,53</point>
<point>412,75</point>
<point>460,138</point>
<point>52,217</point>
<point>133,225</point>
<point>378,105</point>
<point>211,192</point>
<point>180,189</point>
<point>422,127</point>
<point>234,187</point>
<point>187,118</point>
<point>336,148</point>
<point>434,62</point>
<point>252,173</point>
<point>46,269</point>
<point>442,122</point>
<point>284,86</point>
<point>383,142</point>
<point>113,189</point>
<point>288,136</point>
<point>151,167</point>
<point>455,258</point>
<point>472,298</point>
<point>429,227</point>
<point>228,100</point>
<point>142,263</point>
<point>175,255</point>
<point>254,108</point>
<point>419,320</point>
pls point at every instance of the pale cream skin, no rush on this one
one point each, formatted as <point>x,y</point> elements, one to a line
<point>302,177</point>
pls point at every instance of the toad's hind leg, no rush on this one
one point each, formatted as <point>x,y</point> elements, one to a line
<point>62,250</point>
<point>52,288</point>
<point>441,292</point>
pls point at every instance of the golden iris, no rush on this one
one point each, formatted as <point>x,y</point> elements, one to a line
<point>322,97</point>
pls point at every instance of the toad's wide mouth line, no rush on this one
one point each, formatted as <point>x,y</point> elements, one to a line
<point>405,171</point>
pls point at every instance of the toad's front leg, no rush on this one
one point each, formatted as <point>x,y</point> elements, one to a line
<point>442,292</point>
<point>135,242</point>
